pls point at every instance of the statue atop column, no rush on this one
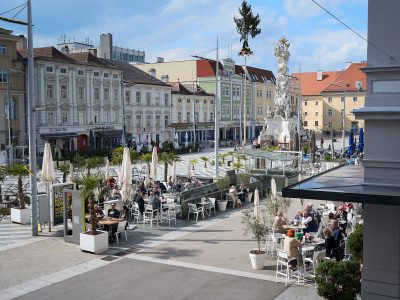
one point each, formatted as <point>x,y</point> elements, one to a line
<point>281,101</point>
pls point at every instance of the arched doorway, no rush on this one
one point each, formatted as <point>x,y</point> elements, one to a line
<point>82,142</point>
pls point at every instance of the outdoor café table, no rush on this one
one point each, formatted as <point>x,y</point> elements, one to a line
<point>109,221</point>
<point>299,227</point>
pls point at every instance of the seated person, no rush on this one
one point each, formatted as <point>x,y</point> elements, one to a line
<point>113,212</point>
<point>310,221</point>
<point>279,221</point>
<point>163,188</point>
<point>337,236</point>
<point>170,181</point>
<point>328,242</point>
<point>125,215</point>
<point>233,193</point>
<point>140,201</point>
<point>244,191</point>
<point>156,191</point>
<point>189,184</point>
<point>291,246</point>
<point>154,201</point>
<point>110,182</point>
<point>99,211</point>
<point>298,217</point>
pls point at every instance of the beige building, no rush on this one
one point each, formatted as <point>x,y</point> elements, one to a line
<point>12,92</point>
<point>183,71</point>
<point>326,95</point>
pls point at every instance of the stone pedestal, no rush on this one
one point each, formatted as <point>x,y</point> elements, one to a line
<point>278,130</point>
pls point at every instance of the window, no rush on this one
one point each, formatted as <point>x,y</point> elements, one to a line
<point>157,97</point>
<point>329,99</point>
<point>305,113</point>
<point>138,121</point>
<point>225,90</point>
<point>354,99</point>
<point>305,123</point>
<point>138,98</point>
<point>106,75</point>
<point>166,100</point>
<point>148,121</point>
<point>316,114</point>
<point>179,100</point>
<point>64,118</point>
<point>166,120</point>
<point>63,91</point>
<point>188,101</point>
<point>3,50</point>
<point>95,118</point>
<point>115,94</point>
<point>96,93</point>
<point>205,101</point>
<point>12,112</point>
<point>205,117</point>
<point>179,117</point>
<point>330,124</point>
<point>50,91</point>
<point>188,117</point>
<point>212,102</point>
<point>128,120</point>
<point>148,98</point>
<point>81,119</point>
<point>80,72</point>
<point>96,74</point>
<point>115,76</point>
<point>105,117</point>
<point>49,69</point>
<point>127,97</point>
<point>63,70</point>
<point>211,117</point>
<point>342,99</point>
<point>158,120</point>
<point>316,123</point>
<point>316,102</point>
<point>329,112</point>
<point>305,103</point>
<point>196,116</point>
<point>197,100</point>
<point>81,92</point>
<point>106,94</point>
<point>50,118</point>
<point>3,75</point>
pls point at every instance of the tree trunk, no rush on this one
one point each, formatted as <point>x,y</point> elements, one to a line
<point>205,164</point>
<point>20,193</point>
<point>92,215</point>
<point>165,171</point>
<point>64,177</point>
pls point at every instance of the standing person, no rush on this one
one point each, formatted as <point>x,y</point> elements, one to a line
<point>309,221</point>
<point>322,143</point>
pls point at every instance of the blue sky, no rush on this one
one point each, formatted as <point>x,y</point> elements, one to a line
<point>177,29</point>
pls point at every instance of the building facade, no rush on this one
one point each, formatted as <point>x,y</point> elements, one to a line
<point>12,93</point>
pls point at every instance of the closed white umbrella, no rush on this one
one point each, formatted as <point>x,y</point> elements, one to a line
<point>186,140</point>
<point>125,176</point>
<point>273,188</point>
<point>71,172</point>
<point>107,168</point>
<point>190,173</point>
<point>48,175</point>
<point>256,203</point>
<point>154,164</point>
<point>173,171</point>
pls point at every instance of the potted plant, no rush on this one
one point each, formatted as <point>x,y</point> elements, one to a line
<point>94,240</point>
<point>257,227</point>
<point>193,162</point>
<point>168,158</point>
<point>223,184</point>
<point>19,214</point>
<point>338,280</point>
<point>64,168</point>
<point>205,159</point>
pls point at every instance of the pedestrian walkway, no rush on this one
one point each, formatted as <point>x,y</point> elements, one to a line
<point>11,232</point>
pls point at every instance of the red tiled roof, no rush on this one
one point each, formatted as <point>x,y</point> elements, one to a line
<point>90,59</point>
<point>309,84</point>
<point>206,67</point>
<point>184,89</point>
<point>258,75</point>
<point>346,81</point>
<point>47,53</point>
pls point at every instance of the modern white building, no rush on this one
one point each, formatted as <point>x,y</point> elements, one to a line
<point>78,100</point>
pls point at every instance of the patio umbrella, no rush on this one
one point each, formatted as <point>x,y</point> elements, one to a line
<point>256,203</point>
<point>273,189</point>
<point>125,175</point>
<point>361,141</point>
<point>351,143</point>
<point>154,163</point>
<point>186,139</point>
<point>48,174</point>
<point>71,172</point>
<point>190,173</point>
<point>173,171</point>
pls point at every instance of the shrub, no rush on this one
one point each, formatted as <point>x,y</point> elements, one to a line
<point>338,280</point>
<point>356,243</point>
<point>256,227</point>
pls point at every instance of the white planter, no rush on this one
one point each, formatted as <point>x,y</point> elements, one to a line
<point>258,260</point>
<point>222,205</point>
<point>94,243</point>
<point>21,216</point>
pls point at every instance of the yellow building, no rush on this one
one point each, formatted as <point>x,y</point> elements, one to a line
<point>325,95</point>
<point>12,91</point>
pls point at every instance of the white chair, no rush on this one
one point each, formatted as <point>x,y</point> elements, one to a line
<point>193,209</point>
<point>212,204</point>
<point>273,243</point>
<point>171,213</point>
<point>283,265</point>
<point>317,257</point>
<point>347,254</point>
<point>150,215</point>
<point>206,205</point>
<point>135,213</point>
<point>121,229</point>
<point>231,199</point>
<point>249,197</point>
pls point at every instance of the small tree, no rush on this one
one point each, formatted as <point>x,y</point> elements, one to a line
<point>64,168</point>
<point>356,243</point>
<point>193,162</point>
<point>90,184</point>
<point>3,173</point>
<point>237,166</point>
<point>338,280</point>
<point>147,159</point>
<point>205,159</point>
<point>223,183</point>
<point>255,226</point>
<point>19,170</point>
<point>91,163</point>
<point>168,158</point>
<point>277,204</point>
<point>243,178</point>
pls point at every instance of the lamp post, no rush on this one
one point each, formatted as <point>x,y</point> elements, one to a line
<point>10,149</point>
<point>343,124</point>
<point>123,138</point>
<point>194,113</point>
<point>216,114</point>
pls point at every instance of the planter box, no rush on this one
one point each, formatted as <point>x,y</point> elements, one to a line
<point>94,243</point>
<point>222,205</point>
<point>257,260</point>
<point>21,216</point>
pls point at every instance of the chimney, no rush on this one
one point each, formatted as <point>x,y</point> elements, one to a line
<point>160,59</point>
<point>65,50</point>
<point>106,45</point>
<point>93,51</point>
<point>22,42</point>
<point>152,72</point>
<point>165,78</point>
<point>348,64</point>
<point>319,75</point>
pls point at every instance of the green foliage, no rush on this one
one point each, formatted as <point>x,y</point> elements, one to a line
<point>328,157</point>
<point>223,183</point>
<point>338,280</point>
<point>212,162</point>
<point>243,178</point>
<point>273,148</point>
<point>277,204</point>
<point>193,162</point>
<point>117,156</point>
<point>78,160</point>
<point>18,170</point>
<point>305,150</point>
<point>356,243</point>
<point>205,159</point>
<point>167,146</point>
<point>145,149</point>
<point>237,166</point>
<point>168,159</point>
<point>256,227</point>
<point>223,156</point>
<point>92,162</point>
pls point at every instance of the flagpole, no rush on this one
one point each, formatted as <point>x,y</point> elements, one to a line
<point>216,115</point>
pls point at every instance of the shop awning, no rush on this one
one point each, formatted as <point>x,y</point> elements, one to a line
<point>345,183</point>
<point>109,133</point>
<point>58,135</point>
